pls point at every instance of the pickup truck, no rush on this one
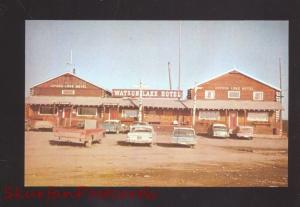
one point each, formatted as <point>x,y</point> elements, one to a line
<point>86,134</point>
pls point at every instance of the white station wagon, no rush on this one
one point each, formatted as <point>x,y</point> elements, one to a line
<point>142,134</point>
<point>184,136</point>
<point>218,130</point>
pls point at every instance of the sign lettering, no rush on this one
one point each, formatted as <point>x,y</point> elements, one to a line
<point>234,88</point>
<point>68,86</point>
<point>147,93</point>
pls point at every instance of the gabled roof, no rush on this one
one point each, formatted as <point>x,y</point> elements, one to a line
<point>238,71</point>
<point>74,76</point>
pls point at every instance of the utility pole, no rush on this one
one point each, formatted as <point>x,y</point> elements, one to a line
<point>280,86</point>
<point>179,56</point>
<point>140,102</point>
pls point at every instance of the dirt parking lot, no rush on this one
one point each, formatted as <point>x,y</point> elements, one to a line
<point>213,162</point>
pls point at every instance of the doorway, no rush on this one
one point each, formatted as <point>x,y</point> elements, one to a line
<point>233,119</point>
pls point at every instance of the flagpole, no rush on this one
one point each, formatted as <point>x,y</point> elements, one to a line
<point>179,56</point>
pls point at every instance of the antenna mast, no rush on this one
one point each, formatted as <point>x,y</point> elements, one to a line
<point>169,70</point>
<point>71,58</point>
<point>280,79</point>
<point>71,62</point>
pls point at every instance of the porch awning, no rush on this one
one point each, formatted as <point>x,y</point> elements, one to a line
<point>155,103</point>
<point>96,101</point>
<point>76,101</point>
<point>235,105</point>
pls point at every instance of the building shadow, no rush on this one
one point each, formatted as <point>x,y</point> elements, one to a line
<point>124,143</point>
<point>73,144</point>
<point>172,145</point>
<point>42,130</point>
<point>211,137</point>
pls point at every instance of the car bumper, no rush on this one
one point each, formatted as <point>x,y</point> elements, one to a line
<point>221,134</point>
<point>140,141</point>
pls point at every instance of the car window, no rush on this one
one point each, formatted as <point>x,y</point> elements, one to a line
<point>220,128</point>
<point>183,132</point>
<point>140,129</point>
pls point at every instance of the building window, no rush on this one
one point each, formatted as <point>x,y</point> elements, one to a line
<point>234,94</point>
<point>47,110</point>
<point>129,113</point>
<point>209,115</point>
<point>31,92</point>
<point>209,94</point>
<point>257,116</point>
<point>278,94</point>
<point>68,92</point>
<point>258,95</point>
<point>86,111</point>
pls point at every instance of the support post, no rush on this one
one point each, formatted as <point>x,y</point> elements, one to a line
<point>71,113</point>
<point>194,107</point>
<point>226,117</point>
<point>245,117</point>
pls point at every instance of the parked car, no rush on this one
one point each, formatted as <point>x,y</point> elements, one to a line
<point>87,135</point>
<point>27,125</point>
<point>243,132</point>
<point>184,136</point>
<point>115,126</point>
<point>218,130</point>
<point>142,134</point>
<point>41,125</point>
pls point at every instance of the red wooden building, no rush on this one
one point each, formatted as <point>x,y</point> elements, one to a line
<point>51,100</point>
<point>235,98</point>
<point>67,99</point>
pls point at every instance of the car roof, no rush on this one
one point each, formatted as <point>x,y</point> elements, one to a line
<point>112,120</point>
<point>223,125</point>
<point>142,126</point>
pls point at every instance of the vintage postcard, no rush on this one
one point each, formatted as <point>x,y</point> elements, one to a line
<point>156,103</point>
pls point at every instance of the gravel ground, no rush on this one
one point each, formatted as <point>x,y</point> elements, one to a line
<point>213,162</point>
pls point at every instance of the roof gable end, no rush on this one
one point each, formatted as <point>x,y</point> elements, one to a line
<point>68,73</point>
<point>241,73</point>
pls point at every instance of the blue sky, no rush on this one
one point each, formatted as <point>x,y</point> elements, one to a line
<point>117,54</point>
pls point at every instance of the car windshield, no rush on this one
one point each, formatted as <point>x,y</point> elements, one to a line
<point>141,129</point>
<point>184,132</point>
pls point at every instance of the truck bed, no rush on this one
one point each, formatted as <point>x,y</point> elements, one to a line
<point>78,135</point>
